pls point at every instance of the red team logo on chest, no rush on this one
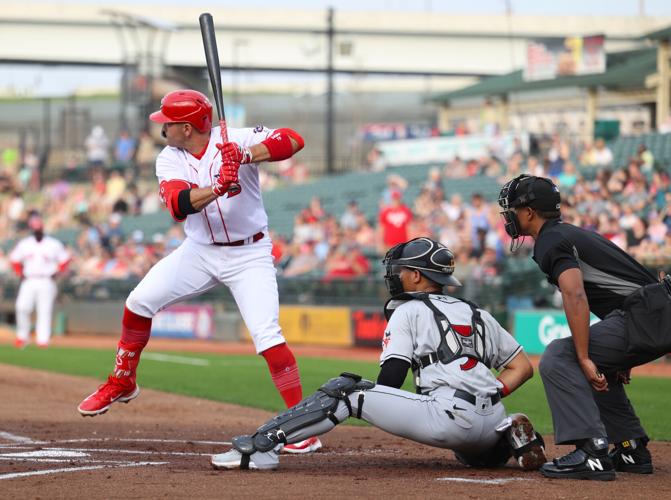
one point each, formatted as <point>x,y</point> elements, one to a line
<point>385,340</point>
<point>465,331</point>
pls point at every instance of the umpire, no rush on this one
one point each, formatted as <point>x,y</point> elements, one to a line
<point>584,375</point>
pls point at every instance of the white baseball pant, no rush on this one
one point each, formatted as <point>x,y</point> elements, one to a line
<point>194,268</point>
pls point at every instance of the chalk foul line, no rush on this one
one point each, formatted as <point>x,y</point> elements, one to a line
<point>14,475</point>
<point>483,481</point>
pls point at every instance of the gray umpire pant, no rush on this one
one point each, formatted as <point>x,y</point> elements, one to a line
<point>578,411</point>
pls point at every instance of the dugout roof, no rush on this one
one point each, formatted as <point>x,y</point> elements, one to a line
<point>624,70</point>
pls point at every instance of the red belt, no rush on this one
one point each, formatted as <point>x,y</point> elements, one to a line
<point>238,243</point>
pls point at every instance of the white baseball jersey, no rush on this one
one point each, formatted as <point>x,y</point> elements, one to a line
<point>412,333</point>
<point>225,219</point>
<point>40,259</point>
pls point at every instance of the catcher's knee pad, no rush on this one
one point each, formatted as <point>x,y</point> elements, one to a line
<point>344,385</point>
<point>315,408</point>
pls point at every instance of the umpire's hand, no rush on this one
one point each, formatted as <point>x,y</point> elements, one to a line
<point>596,379</point>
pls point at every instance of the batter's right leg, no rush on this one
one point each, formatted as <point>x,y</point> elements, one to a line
<point>182,274</point>
<point>25,301</point>
<point>253,283</point>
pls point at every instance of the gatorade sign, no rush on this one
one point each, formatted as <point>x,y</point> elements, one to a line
<point>536,328</point>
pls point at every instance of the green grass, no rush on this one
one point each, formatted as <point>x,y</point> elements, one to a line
<point>245,380</point>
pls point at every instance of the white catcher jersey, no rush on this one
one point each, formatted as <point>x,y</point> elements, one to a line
<point>225,219</point>
<point>40,259</point>
<point>412,333</point>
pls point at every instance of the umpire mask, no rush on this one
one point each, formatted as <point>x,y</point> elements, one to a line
<point>433,260</point>
<point>526,191</point>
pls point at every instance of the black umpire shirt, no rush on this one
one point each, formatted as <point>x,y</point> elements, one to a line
<point>609,274</point>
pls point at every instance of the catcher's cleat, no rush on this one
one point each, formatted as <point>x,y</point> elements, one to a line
<point>233,459</point>
<point>113,391</point>
<point>589,461</point>
<point>308,445</point>
<point>632,456</point>
<point>527,445</point>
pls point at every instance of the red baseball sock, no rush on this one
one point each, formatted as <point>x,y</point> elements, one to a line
<point>284,372</point>
<point>135,331</point>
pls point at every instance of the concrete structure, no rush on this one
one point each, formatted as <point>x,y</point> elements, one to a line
<point>387,65</point>
<point>440,50</point>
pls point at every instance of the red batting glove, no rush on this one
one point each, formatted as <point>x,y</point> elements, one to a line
<point>234,152</point>
<point>228,174</point>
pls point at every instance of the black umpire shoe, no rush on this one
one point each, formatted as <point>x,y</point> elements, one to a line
<point>589,461</point>
<point>632,456</point>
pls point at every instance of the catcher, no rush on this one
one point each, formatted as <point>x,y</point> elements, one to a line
<point>450,344</point>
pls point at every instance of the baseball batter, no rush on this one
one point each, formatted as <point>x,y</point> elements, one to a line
<point>226,242</point>
<point>450,345</point>
<point>37,259</point>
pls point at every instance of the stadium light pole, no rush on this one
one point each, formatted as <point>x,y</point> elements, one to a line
<point>330,160</point>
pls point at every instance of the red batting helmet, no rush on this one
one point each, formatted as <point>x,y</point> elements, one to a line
<point>189,106</point>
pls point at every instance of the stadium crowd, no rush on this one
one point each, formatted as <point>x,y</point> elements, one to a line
<point>627,203</point>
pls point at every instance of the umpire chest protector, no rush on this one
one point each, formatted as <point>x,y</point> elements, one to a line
<point>453,345</point>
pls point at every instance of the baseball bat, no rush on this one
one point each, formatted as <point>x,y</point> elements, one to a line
<point>213,68</point>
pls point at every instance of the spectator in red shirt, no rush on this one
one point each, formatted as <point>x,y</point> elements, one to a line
<point>346,261</point>
<point>279,247</point>
<point>394,221</point>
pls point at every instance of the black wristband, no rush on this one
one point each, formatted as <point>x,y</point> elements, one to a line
<point>184,203</point>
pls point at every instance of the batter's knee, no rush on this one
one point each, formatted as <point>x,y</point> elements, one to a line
<point>137,305</point>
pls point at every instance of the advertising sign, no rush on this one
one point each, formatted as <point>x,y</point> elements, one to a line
<point>192,321</point>
<point>549,58</point>
<point>368,327</point>
<point>536,328</point>
<point>316,325</point>
<point>443,149</point>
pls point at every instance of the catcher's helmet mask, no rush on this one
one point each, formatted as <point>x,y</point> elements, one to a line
<point>432,259</point>
<point>526,191</point>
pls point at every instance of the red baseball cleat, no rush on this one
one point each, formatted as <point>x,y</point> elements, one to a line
<point>113,391</point>
<point>306,446</point>
<point>20,344</point>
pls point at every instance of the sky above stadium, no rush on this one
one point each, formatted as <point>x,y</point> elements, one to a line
<point>41,81</point>
<point>531,7</point>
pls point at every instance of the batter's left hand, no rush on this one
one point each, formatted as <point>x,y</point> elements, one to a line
<point>228,175</point>
<point>232,151</point>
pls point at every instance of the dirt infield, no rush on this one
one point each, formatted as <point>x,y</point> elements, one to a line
<point>158,446</point>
